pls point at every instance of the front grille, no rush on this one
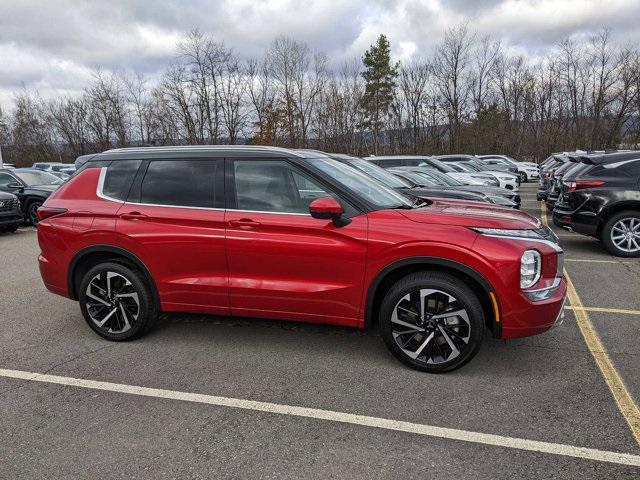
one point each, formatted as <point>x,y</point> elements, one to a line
<point>9,205</point>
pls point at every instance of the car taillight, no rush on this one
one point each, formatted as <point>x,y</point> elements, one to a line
<point>48,212</point>
<point>581,184</point>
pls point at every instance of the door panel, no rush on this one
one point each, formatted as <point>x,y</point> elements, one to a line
<point>173,224</point>
<point>184,250</point>
<point>295,266</point>
<point>282,262</point>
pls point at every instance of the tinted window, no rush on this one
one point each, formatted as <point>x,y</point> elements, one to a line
<point>274,186</point>
<point>185,183</point>
<point>6,179</point>
<point>119,178</point>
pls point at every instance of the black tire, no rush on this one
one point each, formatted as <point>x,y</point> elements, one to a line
<point>606,233</point>
<point>9,228</point>
<point>32,212</point>
<point>147,311</point>
<point>523,177</point>
<point>444,284</point>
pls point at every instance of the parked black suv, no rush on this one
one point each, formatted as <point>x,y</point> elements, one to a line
<point>10,212</point>
<point>601,198</point>
<point>31,186</point>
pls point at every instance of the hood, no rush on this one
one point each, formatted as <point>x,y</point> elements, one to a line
<point>500,172</point>
<point>471,214</point>
<point>487,190</point>
<point>7,196</point>
<point>443,192</point>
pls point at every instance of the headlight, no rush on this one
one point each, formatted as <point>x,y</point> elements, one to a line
<point>506,232</point>
<point>530,265</point>
<point>506,179</point>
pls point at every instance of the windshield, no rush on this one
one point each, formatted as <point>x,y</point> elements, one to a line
<point>418,179</point>
<point>470,167</point>
<point>378,173</point>
<point>441,178</point>
<point>441,166</point>
<point>372,191</point>
<point>34,178</point>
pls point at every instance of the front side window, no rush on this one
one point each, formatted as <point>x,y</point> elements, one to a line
<point>119,177</point>
<point>273,186</point>
<point>6,179</point>
<point>182,183</point>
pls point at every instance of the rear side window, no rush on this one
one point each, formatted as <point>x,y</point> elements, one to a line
<point>183,183</point>
<point>119,178</point>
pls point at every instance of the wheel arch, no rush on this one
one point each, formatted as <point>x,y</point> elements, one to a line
<point>88,257</point>
<point>400,268</point>
<point>617,207</point>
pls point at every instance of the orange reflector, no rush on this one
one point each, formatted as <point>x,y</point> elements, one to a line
<point>494,301</point>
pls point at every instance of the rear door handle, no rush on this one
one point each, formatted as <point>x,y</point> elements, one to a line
<point>133,216</point>
<point>244,222</point>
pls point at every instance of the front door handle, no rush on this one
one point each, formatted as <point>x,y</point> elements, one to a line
<point>244,222</point>
<point>133,216</point>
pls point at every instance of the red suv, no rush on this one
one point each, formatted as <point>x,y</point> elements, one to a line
<point>275,233</point>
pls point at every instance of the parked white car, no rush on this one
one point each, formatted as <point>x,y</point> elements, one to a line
<point>527,170</point>
<point>505,179</point>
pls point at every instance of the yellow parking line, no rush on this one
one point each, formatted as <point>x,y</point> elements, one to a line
<point>623,311</point>
<point>619,391</point>
<point>589,260</point>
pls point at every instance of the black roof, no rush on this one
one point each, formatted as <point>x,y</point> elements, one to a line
<point>202,151</point>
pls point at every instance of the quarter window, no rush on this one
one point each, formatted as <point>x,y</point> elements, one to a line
<point>273,186</point>
<point>185,183</point>
<point>119,178</point>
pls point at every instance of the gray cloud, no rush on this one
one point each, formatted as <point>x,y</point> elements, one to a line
<point>53,45</point>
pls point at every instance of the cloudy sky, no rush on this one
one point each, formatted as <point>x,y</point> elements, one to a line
<point>52,46</point>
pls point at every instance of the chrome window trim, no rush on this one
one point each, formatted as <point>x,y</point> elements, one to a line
<point>100,194</point>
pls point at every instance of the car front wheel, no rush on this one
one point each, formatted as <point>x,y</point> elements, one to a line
<point>117,302</point>
<point>432,322</point>
<point>523,177</point>
<point>621,234</point>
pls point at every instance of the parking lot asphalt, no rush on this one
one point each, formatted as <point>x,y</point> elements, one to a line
<point>546,388</point>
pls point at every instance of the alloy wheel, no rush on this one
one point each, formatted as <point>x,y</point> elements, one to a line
<point>113,304</point>
<point>431,326</point>
<point>33,213</point>
<point>625,234</point>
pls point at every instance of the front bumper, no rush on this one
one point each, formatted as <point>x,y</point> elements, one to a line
<point>11,218</point>
<point>532,318</point>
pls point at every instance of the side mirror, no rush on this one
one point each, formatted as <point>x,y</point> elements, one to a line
<point>14,186</point>
<point>328,208</point>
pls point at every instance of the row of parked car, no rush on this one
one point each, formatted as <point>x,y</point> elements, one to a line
<point>489,178</point>
<point>24,190</point>
<point>595,193</point>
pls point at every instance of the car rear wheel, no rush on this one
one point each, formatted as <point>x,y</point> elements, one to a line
<point>32,212</point>
<point>117,302</point>
<point>523,177</point>
<point>621,234</point>
<point>432,322</point>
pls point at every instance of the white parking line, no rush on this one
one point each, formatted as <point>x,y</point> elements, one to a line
<point>340,417</point>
